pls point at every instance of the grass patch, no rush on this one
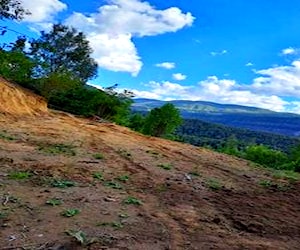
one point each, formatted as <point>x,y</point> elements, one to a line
<point>214,184</point>
<point>59,148</point>
<point>165,166</point>
<point>114,224</point>
<point>54,202</point>
<point>291,176</point>
<point>70,212</point>
<point>133,201</point>
<point>6,137</point>
<point>98,156</point>
<point>274,185</point>
<point>123,178</point>
<point>81,237</point>
<point>19,175</point>
<point>113,184</point>
<point>98,176</point>
<point>62,183</point>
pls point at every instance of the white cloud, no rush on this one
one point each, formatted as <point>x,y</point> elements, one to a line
<point>280,80</point>
<point>290,51</point>
<point>166,65</point>
<point>121,20</point>
<point>42,11</point>
<point>215,90</point>
<point>249,64</point>
<point>219,53</point>
<point>179,77</point>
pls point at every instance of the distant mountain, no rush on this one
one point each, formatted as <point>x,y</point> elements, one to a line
<point>252,118</point>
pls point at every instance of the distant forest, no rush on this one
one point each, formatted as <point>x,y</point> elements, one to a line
<point>215,136</point>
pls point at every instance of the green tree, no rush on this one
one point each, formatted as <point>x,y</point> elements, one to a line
<point>265,156</point>
<point>12,9</point>
<point>136,122</point>
<point>63,50</point>
<point>162,121</point>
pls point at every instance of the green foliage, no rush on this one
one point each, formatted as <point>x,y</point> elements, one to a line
<point>214,184</point>
<point>165,166</point>
<point>54,202</point>
<point>80,237</point>
<point>5,136</point>
<point>17,67</point>
<point>137,122</point>
<point>58,148</point>
<point>62,183</point>
<point>98,176</point>
<point>265,156</point>
<point>12,9</point>
<point>19,175</point>
<point>65,51</point>
<point>123,178</point>
<point>133,201</point>
<point>98,156</point>
<point>162,121</point>
<point>70,212</point>
<point>113,185</point>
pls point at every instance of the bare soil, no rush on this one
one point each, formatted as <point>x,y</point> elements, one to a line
<point>180,196</point>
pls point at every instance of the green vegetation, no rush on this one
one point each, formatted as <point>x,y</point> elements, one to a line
<point>133,201</point>
<point>70,212</point>
<point>81,237</point>
<point>160,122</point>
<point>165,166</point>
<point>6,137</point>
<point>113,185</point>
<point>114,224</point>
<point>98,176</point>
<point>123,178</point>
<point>58,148</point>
<point>12,9</point>
<point>214,184</point>
<point>98,156</point>
<point>19,175</point>
<point>54,202</point>
<point>62,183</point>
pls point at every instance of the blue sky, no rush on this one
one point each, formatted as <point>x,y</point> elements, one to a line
<point>238,51</point>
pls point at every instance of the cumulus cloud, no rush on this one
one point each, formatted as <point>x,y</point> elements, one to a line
<point>290,51</point>
<point>280,80</point>
<point>249,64</point>
<point>118,22</point>
<point>213,89</point>
<point>179,77</point>
<point>42,11</point>
<point>166,65</point>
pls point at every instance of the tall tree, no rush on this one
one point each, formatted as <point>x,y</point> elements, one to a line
<point>12,9</point>
<point>63,50</point>
<point>162,121</point>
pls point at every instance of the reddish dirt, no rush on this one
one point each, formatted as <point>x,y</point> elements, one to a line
<point>204,201</point>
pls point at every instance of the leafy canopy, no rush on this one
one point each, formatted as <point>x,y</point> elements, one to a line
<point>162,121</point>
<point>12,9</point>
<point>63,50</point>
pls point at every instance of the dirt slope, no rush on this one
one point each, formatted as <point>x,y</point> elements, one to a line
<point>180,196</point>
<point>17,101</point>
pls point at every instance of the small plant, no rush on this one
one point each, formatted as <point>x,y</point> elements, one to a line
<point>114,224</point>
<point>98,176</point>
<point>291,176</point>
<point>114,185</point>
<point>54,202</point>
<point>265,183</point>
<point>63,183</point>
<point>58,148</point>
<point>124,153</point>
<point>165,166</point>
<point>19,175</point>
<point>132,201</point>
<point>98,156</point>
<point>70,212</point>
<point>6,137</point>
<point>214,184</point>
<point>123,178</point>
<point>80,237</point>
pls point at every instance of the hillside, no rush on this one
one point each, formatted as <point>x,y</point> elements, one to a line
<point>66,180</point>
<point>231,115</point>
